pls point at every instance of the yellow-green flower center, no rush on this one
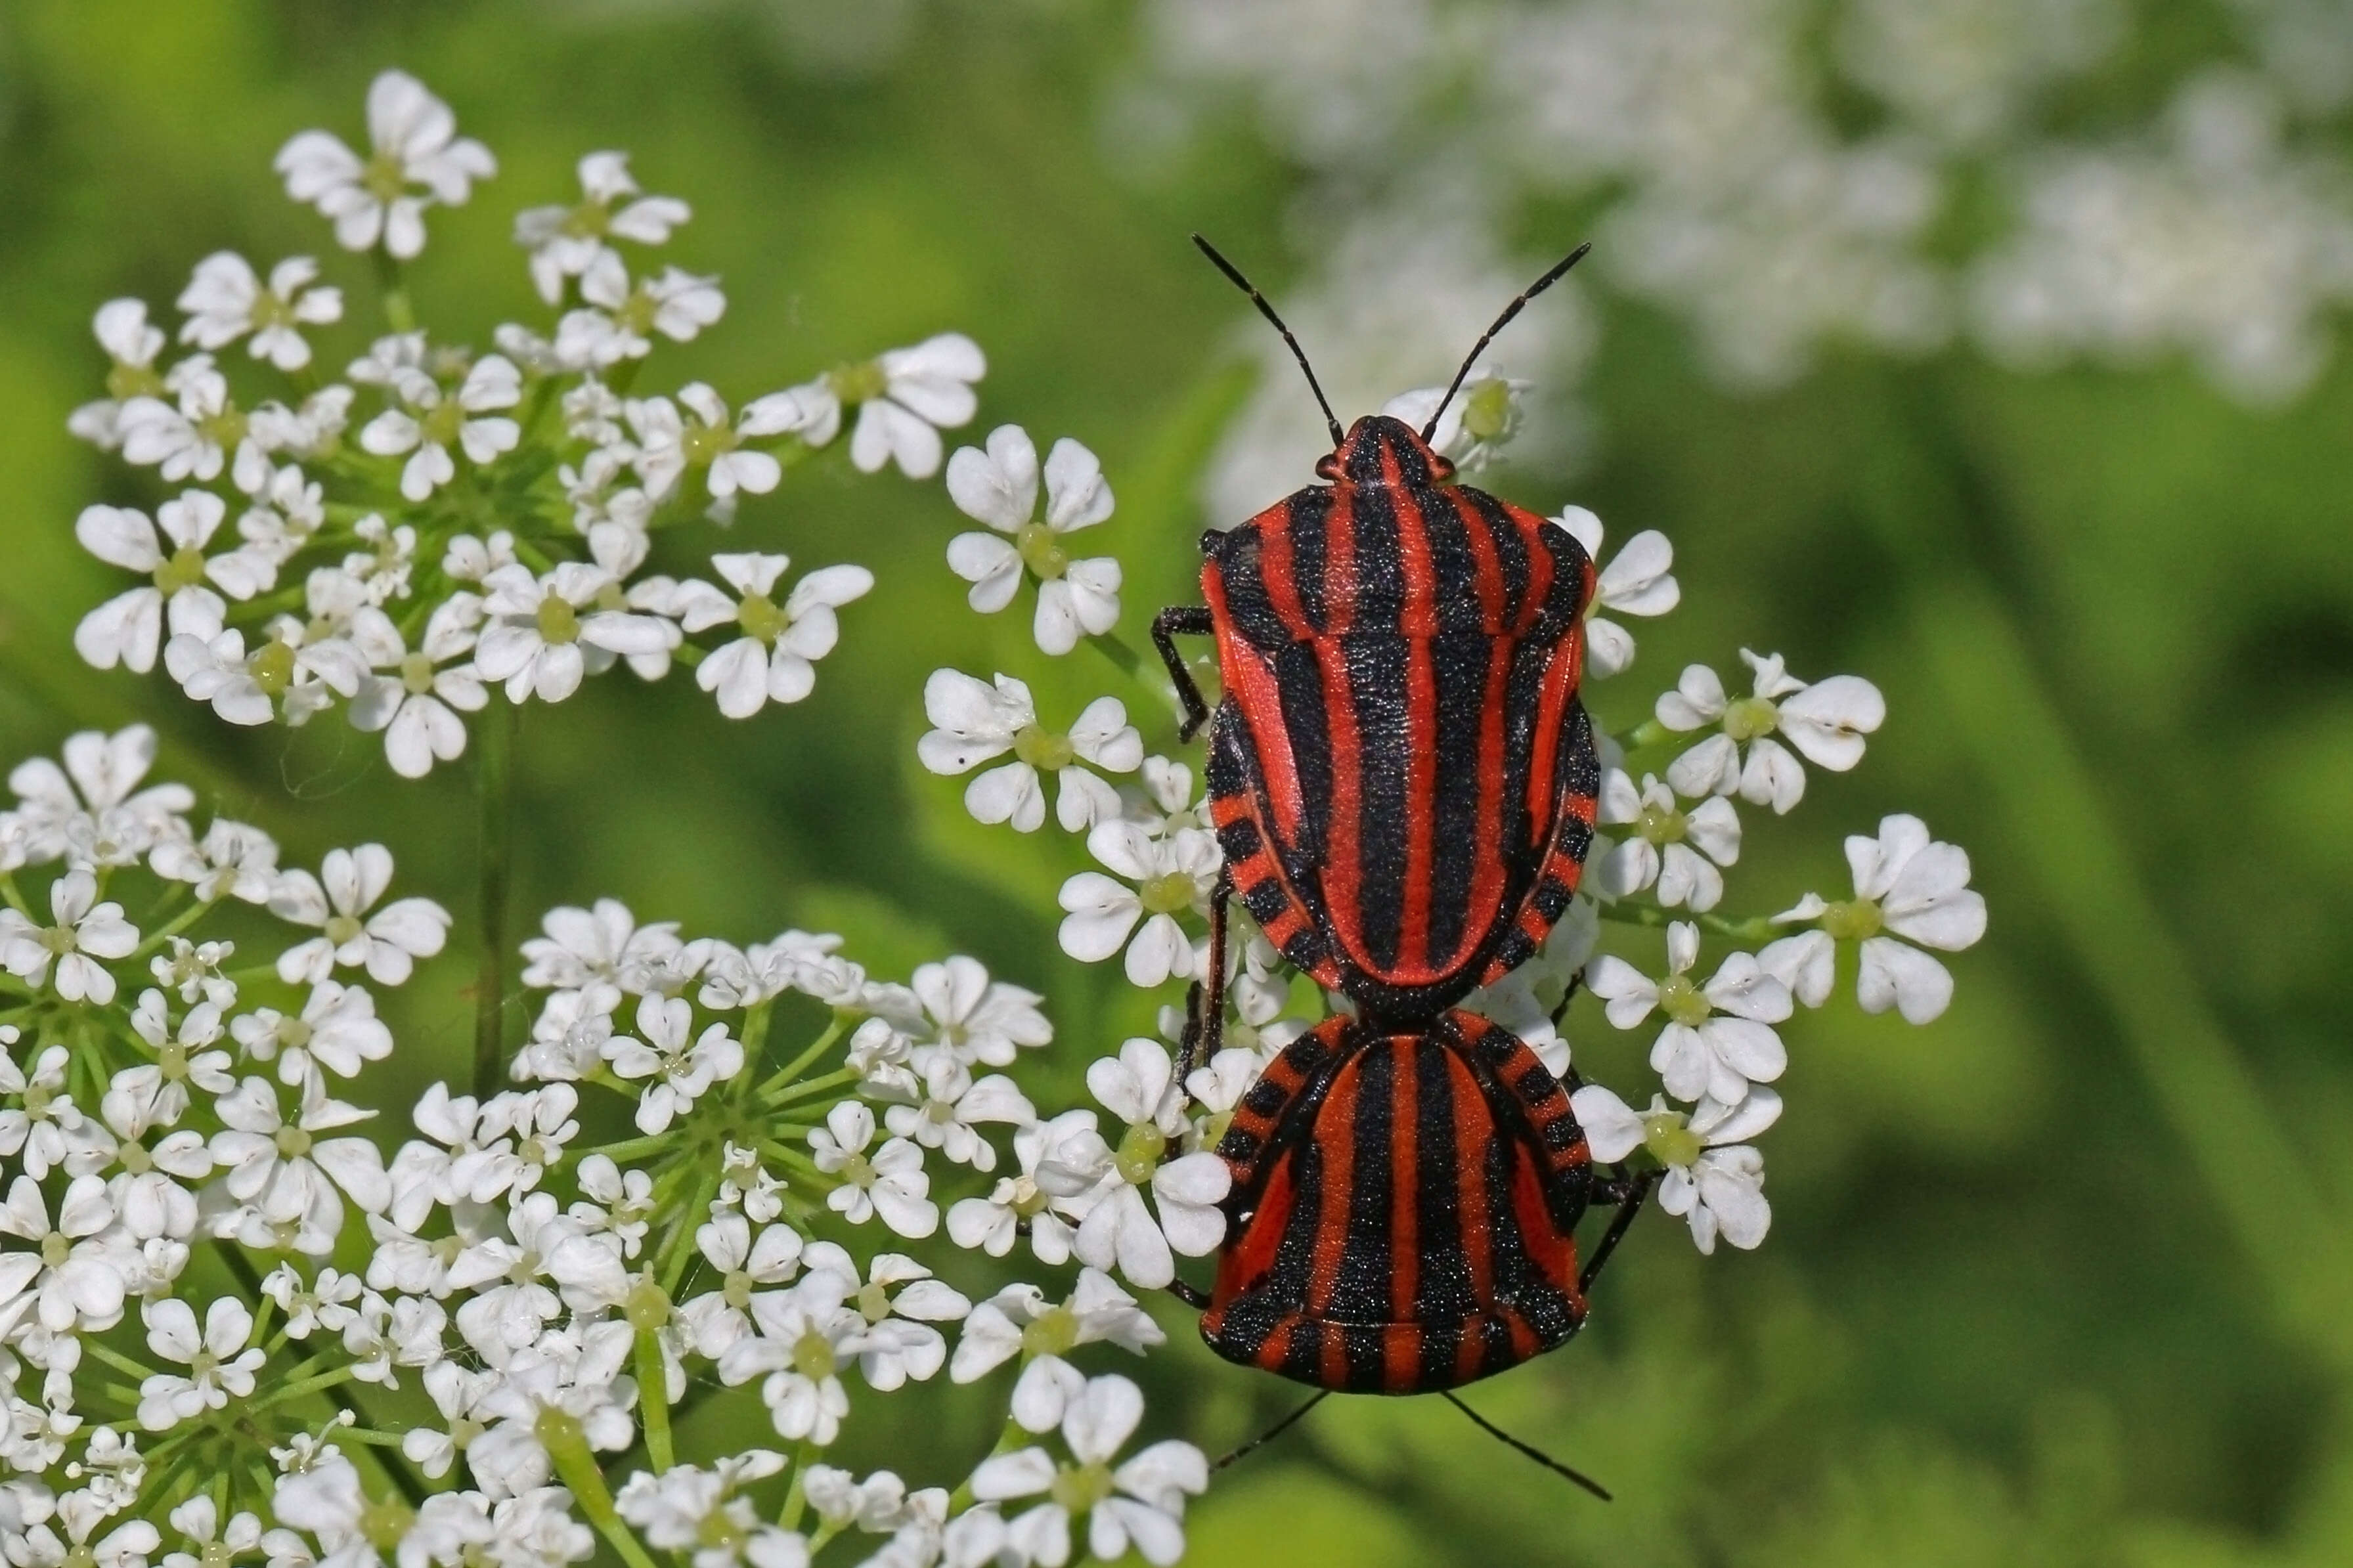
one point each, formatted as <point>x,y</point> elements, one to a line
<point>125,382</point>
<point>387,179</point>
<point>1041,551</point>
<point>55,1247</point>
<point>293,1143</point>
<point>133,1157</point>
<point>224,429</point>
<point>1855,921</point>
<point>702,443</point>
<point>813,1356</point>
<point>1139,1154</point>
<point>761,619</point>
<point>1487,409</point>
<point>1662,824</point>
<point>58,940</point>
<point>558,621</point>
<point>1669,1139</point>
<point>1680,999</point>
<point>1166,893</point>
<point>416,674</point>
<point>438,427</point>
<point>1054,1332</point>
<point>184,569</point>
<point>1079,1488</point>
<point>857,382</point>
<point>1043,749</point>
<point>272,667</point>
<point>340,929</point>
<point>1749,718</point>
<point>647,1306</point>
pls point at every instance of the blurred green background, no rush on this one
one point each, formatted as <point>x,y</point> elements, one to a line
<point>2064,1278</point>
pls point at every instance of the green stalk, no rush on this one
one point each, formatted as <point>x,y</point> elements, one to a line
<point>1756,928</point>
<point>567,1445</point>
<point>653,1397</point>
<point>493,790</point>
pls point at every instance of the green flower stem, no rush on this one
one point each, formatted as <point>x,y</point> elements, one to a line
<point>399,314</point>
<point>116,1358</point>
<point>1651,733</point>
<point>653,1397</point>
<point>794,1068</point>
<point>493,790</point>
<point>165,933</point>
<point>319,1383</point>
<point>567,1445</point>
<point>370,1435</point>
<point>1756,928</point>
<point>789,1517</point>
<point>680,1246</point>
<point>793,1092</point>
<point>396,1468</point>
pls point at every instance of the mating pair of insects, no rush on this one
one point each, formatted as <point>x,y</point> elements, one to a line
<point>1403,780</point>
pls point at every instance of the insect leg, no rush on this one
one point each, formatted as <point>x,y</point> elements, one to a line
<point>1277,1430</point>
<point>1627,1209</point>
<point>1530,1449</point>
<point>1205,1031</point>
<point>1183,620</point>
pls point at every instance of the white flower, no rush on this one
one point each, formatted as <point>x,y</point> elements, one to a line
<point>1711,1178</point>
<point>92,809</point>
<point>233,859</point>
<point>686,1509</point>
<point>667,445</point>
<point>614,324</point>
<point>775,660</point>
<point>45,1112</point>
<point>414,144</point>
<point>1139,1505</point>
<point>603,946</point>
<point>387,943</point>
<point>811,411</point>
<point>336,1031</point>
<point>999,487</point>
<point>545,634</point>
<point>1905,886</point>
<point>906,397</point>
<point>417,703</point>
<point>900,1300</point>
<point>189,436</point>
<point>565,242</point>
<point>131,343</point>
<point>127,628</point>
<point>1826,722</point>
<point>975,723</point>
<point>892,1184</point>
<point>682,1072</point>
<point>147,1188</point>
<point>287,1171</point>
<point>1484,415</point>
<point>86,932</point>
<point>225,301</point>
<point>220,1365</point>
<point>805,1335</point>
<point>1020,1320</point>
<point>976,1020</point>
<point>1638,581</point>
<point>74,1273</point>
<point>199,1520</point>
<point>991,1224</point>
<point>1717,1039</point>
<point>747,1264</point>
<point>951,1105</point>
<point>1678,850</point>
<point>1169,875</point>
<point>434,420</point>
<point>1119,1230</point>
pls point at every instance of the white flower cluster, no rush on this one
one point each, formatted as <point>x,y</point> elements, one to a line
<point>214,1279</point>
<point>1736,191</point>
<point>441,525</point>
<point>1669,831</point>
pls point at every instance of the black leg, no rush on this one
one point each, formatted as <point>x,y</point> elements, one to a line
<point>1204,1029</point>
<point>1627,1208</point>
<point>1277,1430</point>
<point>1191,1295</point>
<point>1183,620</point>
<point>1530,1449</point>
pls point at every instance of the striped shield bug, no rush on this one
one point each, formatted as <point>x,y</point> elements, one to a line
<point>1400,773</point>
<point>1403,780</point>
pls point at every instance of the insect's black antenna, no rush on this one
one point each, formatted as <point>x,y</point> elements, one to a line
<point>1513,308</point>
<point>1489,1427</point>
<point>1234,276</point>
<point>1280,1428</point>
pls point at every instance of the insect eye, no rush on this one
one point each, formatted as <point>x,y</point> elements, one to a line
<point>1328,466</point>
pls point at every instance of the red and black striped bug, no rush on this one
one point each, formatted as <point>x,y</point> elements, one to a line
<point>1404,783</point>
